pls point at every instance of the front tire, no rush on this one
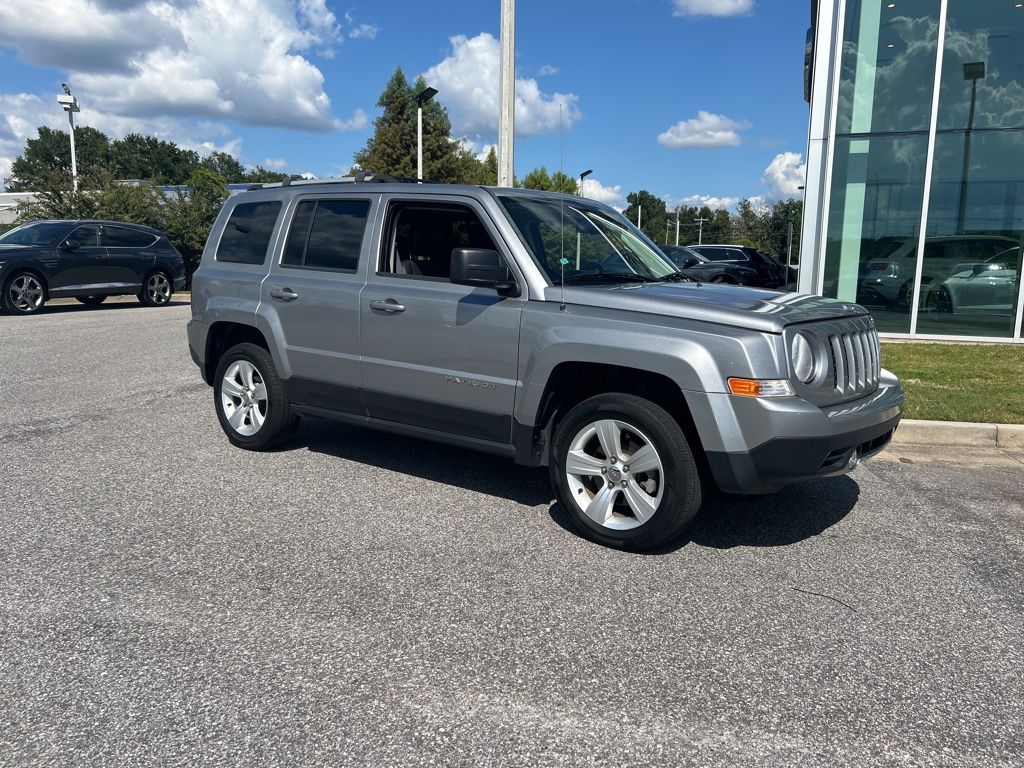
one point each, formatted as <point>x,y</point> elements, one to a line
<point>624,471</point>
<point>91,301</point>
<point>24,293</point>
<point>251,402</point>
<point>156,289</point>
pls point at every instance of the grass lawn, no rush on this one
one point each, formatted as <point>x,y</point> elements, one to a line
<point>960,382</point>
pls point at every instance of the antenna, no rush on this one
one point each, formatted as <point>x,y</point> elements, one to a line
<point>562,261</point>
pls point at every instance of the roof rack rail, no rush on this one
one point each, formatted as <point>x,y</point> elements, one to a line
<point>363,177</point>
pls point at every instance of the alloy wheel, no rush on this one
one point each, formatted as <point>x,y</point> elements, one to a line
<point>158,288</point>
<point>615,474</point>
<point>25,293</point>
<point>243,396</point>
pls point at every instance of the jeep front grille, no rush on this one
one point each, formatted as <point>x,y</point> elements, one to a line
<point>856,362</point>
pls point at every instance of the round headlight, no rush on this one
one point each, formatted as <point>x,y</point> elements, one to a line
<point>803,359</point>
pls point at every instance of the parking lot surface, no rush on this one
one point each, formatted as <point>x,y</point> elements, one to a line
<point>358,598</point>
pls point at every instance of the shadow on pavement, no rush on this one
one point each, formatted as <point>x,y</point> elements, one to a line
<point>458,467</point>
<point>107,306</point>
<point>793,514</point>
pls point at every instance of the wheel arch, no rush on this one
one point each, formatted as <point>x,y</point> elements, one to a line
<point>222,336</point>
<point>33,269</point>
<point>572,382</point>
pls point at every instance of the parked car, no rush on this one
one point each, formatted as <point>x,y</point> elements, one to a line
<point>702,269</point>
<point>889,264</point>
<point>771,273</point>
<point>987,287</point>
<point>89,260</point>
<point>540,327</point>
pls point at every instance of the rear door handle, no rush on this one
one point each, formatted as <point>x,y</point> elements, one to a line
<point>283,294</point>
<point>390,306</point>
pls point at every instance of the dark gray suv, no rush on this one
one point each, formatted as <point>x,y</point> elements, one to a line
<point>540,327</point>
<point>88,260</point>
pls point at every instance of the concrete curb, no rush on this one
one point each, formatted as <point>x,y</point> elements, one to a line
<point>960,433</point>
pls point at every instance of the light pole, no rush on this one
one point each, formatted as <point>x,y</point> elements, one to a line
<point>582,177</point>
<point>70,105</point>
<point>507,95</point>
<point>700,229</point>
<point>973,72</point>
<point>421,98</point>
<point>677,225</point>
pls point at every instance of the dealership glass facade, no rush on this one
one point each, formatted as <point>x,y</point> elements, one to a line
<point>921,214</point>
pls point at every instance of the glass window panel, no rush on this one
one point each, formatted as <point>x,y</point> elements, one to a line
<point>87,236</point>
<point>983,65</point>
<point>247,233</point>
<point>295,250</point>
<point>874,221</point>
<point>887,70</point>
<point>972,258</point>
<point>336,236</point>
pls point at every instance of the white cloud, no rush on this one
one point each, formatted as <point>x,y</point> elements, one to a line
<point>611,195</point>
<point>706,131</point>
<point>468,83</point>
<point>275,164</point>
<point>711,201</point>
<point>785,175</point>
<point>712,7</point>
<point>546,70</point>
<point>239,59</point>
<point>365,31</point>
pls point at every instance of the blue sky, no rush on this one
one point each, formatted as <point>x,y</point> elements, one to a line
<point>682,97</point>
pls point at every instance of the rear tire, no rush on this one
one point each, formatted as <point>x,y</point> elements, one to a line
<point>157,289</point>
<point>638,507</point>
<point>24,293</point>
<point>91,301</point>
<point>250,399</point>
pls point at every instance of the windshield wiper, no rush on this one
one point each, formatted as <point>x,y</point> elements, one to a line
<point>677,277</point>
<point>626,277</point>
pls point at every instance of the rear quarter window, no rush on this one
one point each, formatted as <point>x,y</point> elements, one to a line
<point>247,233</point>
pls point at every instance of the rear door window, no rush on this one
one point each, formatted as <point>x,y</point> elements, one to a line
<point>327,235</point>
<point>247,233</point>
<point>122,237</point>
<point>87,236</point>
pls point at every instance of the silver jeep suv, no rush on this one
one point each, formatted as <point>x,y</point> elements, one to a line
<point>540,327</point>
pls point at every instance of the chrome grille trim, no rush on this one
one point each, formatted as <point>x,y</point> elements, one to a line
<point>856,361</point>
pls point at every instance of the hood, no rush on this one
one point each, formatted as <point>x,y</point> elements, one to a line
<point>737,306</point>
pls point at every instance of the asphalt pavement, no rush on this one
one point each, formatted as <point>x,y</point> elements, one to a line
<point>363,599</point>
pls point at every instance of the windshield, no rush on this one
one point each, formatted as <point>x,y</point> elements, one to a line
<point>40,233</point>
<point>589,242</point>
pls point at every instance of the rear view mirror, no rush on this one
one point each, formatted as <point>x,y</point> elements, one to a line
<point>482,268</point>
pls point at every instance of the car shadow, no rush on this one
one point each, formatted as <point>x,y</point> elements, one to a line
<point>58,309</point>
<point>789,516</point>
<point>457,467</point>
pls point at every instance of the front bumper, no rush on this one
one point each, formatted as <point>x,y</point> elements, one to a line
<point>791,440</point>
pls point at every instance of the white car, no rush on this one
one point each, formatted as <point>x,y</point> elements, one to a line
<point>989,287</point>
<point>889,275</point>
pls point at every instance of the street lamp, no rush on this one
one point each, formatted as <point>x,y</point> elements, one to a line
<point>422,98</point>
<point>70,105</point>
<point>582,177</point>
<point>973,72</point>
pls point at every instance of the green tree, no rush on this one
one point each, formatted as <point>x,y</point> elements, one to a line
<point>260,175</point>
<point>227,166</point>
<point>191,213</point>
<point>146,157</point>
<point>654,213</point>
<point>392,150</point>
<point>538,178</point>
<point>48,156</point>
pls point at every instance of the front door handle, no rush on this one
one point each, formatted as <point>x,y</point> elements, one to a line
<point>390,306</point>
<point>283,294</point>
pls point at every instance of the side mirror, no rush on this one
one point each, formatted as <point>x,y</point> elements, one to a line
<point>69,245</point>
<point>690,262</point>
<point>482,268</point>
